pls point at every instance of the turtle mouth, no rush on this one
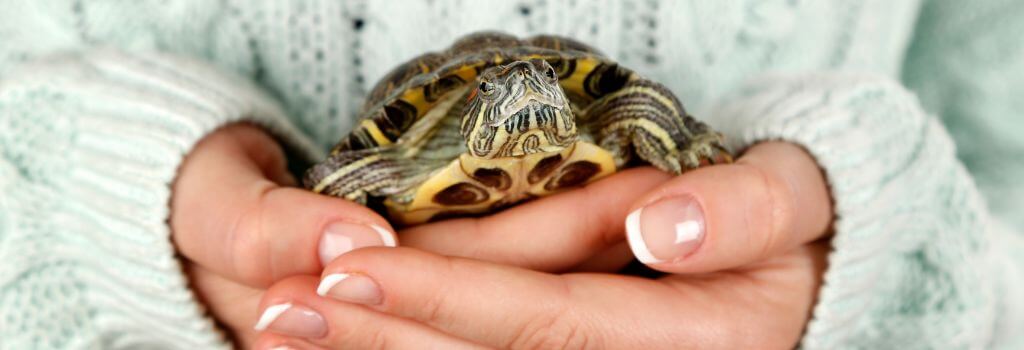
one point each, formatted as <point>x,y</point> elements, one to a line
<point>524,107</point>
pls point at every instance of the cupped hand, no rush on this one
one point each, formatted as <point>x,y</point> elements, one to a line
<point>241,226</point>
<point>742,240</point>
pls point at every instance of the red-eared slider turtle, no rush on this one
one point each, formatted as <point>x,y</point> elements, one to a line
<point>495,120</point>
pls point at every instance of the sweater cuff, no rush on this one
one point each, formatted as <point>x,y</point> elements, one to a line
<point>91,144</point>
<point>910,229</point>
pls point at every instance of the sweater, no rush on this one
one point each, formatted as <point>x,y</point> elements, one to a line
<point>909,107</point>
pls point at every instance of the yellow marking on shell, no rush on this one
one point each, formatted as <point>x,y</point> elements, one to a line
<point>341,172</point>
<point>467,73</point>
<point>416,97</point>
<point>575,82</point>
<point>374,131</point>
<point>534,57</point>
<point>419,133</point>
<point>422,207</point>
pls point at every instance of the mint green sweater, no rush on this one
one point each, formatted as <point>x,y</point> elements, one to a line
<point>912,109</point>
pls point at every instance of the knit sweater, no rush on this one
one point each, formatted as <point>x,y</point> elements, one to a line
<point>101,100</point>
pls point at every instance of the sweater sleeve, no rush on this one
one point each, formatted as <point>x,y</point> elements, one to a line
<point>911,263</point>
<point>967,64</point>
<point>89,145</point>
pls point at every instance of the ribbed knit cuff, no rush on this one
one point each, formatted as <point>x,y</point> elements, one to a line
<point>90,146</point>
<point>910,229</point>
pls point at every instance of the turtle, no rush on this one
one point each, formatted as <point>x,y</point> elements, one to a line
<point>494,120</point>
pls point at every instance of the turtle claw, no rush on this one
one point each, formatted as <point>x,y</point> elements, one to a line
<point>704,149</point>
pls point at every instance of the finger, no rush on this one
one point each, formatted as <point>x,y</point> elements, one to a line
<point>613,259</point>
<point>474,300</point>
<point>232,304</point>
<point>292,308</point>
<point>764,305</point>
<point>274,341</point>
<point>230,218</point>
<point>550,234</point>
<point>506,307</point>
<point>771,200</point>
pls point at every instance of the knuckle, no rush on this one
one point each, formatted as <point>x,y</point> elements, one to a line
<point>248,254</point>
<point>356,332</point>
<point>377,339</point>
<point>554,331</point>
<point>775,204</point>
<point>559,328</point>
<point>437,307</point>
<point>603,227</point>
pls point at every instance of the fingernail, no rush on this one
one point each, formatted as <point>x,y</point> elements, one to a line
<point>276,347</point>
<point>354,288</point>
<point>292,319</point>
<point>342,237</point>
<point>667,230</point>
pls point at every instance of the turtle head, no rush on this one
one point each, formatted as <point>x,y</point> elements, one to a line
<point>518,109</point>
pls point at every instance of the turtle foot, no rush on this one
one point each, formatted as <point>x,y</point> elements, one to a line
<point>704,149</point>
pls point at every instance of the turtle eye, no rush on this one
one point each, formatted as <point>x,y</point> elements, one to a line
<point>486,88</point>
<point>551,73</point>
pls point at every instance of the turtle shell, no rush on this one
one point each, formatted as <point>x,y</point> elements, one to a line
<point>406,93</point>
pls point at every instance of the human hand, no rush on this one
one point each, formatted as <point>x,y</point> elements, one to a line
<point>747,278</point>
<point>240,226</point>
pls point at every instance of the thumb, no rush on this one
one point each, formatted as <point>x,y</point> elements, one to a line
<point>772,199</point>
<point>229,216</point>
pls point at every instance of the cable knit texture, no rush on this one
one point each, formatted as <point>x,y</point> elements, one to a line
<point>101,100</point>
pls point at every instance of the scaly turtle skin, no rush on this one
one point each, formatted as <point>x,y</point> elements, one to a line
<point>495,120</point>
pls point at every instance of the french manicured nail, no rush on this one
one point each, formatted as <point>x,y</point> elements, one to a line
<point>353,288</point>
<point>667,230</point>
<point>294,320</point>
<point>342,237</point>
<point>276,347</point>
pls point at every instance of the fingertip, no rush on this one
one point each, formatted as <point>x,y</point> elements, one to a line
<point>271,341</point>
<point>725,216</point>
<point>387,236</point>
<point>636,240</point>
<point>329,282</point>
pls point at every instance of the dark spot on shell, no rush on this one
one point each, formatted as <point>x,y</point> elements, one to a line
<point>454,214</point>
<point>493,177</point>
<point>605,79</point>
<point>544,168</point>
<point>571,175</point>
<point>433,92</point>
<point>358,23</point>
<point>398,117</point>
<point>563,67</point>
<point>461,194</point>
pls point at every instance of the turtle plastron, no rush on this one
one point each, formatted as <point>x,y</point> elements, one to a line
<point>470,185</point>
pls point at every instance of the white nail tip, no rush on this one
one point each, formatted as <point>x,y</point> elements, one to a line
<point>271,314</point>
<point>385,236</point>
<point>329,282</point>
<point>636,239</point>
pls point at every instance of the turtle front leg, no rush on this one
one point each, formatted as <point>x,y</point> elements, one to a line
<point>646,119</point>
<point>354,175</point>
